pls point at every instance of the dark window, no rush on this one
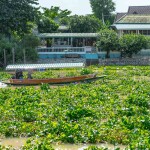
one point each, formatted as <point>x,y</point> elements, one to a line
<point>145,32</point>
<point>135,12</point>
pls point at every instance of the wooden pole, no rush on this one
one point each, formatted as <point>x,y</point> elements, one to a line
<point>5,61</point>
<point>24,55</point>
<point>71,40</point>
<point>13,55</point>
<point>103,21</point>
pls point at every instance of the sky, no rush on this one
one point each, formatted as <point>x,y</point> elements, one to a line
<point>82,7</point>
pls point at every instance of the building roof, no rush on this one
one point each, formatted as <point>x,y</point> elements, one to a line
<point>140,19</point>
<point>131,26</point>
<point>139,10</point>
<point>59,35</point>
<point>119,16</point>
<point>137,18</point>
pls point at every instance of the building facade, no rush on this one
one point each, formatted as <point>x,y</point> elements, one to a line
<point>136,20</point>
<point>66,45</point>
<point>82,45</point>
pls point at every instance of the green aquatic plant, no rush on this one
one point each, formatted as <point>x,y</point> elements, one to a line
<point>114,110</point>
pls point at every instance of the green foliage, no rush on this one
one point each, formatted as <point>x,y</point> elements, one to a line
<point>44,74</point>
<point>86,71</point>
<point>55,12</point>
<point>77,113</point>
<point>107,41</point>
<point>51,19</point>
<point>4,76</point>
<point>15,16</point>
<point>45,87</point>
<point>64,21</point>
<point>71,74</point>
<point>46,25</point>
<point>38,144</point>
<point>102,9</point>
<point>84,24</point>
<point>7,45</point>
<point>95,148</point>
<point>61,73</point>
<point>131,44</point>
<point>27,43</point>
<point>30,41</point>
<point>6,148</point>
<point>114,110</point>
<point>148,42</point>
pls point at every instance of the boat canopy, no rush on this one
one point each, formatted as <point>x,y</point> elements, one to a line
<point>44,66</point>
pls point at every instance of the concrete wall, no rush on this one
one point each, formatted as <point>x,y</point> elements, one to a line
<point>101,55</point>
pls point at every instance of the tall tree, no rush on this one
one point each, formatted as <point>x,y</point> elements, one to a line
<point>16,14</point>
<point>51,19</point>
<point>102,9</point>
<point>55,12</point>
<point>46,25</point>
<point>84,24</point>
<point>107,41</point>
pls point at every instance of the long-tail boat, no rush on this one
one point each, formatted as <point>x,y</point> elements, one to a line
<point>52,80</point>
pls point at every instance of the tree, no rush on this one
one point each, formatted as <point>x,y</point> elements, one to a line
<point>51,18</point>
<point>55,12</point>
<point>46,25</point>
<point>5,45</point>
<point>15,15</point>
<point>84,24</point>
<point>29,44</point>
<point>107,41</point>
<point>132,43</point>
<point>102,9</point>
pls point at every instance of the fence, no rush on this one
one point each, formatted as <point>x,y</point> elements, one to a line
<point>61,49</point>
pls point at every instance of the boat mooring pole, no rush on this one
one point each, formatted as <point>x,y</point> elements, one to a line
<point>5,61</point>
<point>13,55</point>
<point>24,55</point>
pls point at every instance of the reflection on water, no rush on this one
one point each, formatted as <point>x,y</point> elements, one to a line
<point>83,146</point>
<point>2,85</point>
<point>18,142</point>
<point>14,142</point>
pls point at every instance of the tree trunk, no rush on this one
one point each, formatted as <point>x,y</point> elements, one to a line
<point>108,54</point>
<point>130,55</point>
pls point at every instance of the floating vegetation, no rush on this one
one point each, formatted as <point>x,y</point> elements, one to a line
<point>115,110</point>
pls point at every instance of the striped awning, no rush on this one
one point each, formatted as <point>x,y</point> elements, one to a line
<point>44,66</point>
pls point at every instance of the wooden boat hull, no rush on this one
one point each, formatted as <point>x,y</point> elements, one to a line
<point>51,80</point>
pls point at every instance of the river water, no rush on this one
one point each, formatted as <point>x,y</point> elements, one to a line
<point>18,142</point>
<point>2,85</point>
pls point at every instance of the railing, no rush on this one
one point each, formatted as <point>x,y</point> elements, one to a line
<point>61,49</point>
